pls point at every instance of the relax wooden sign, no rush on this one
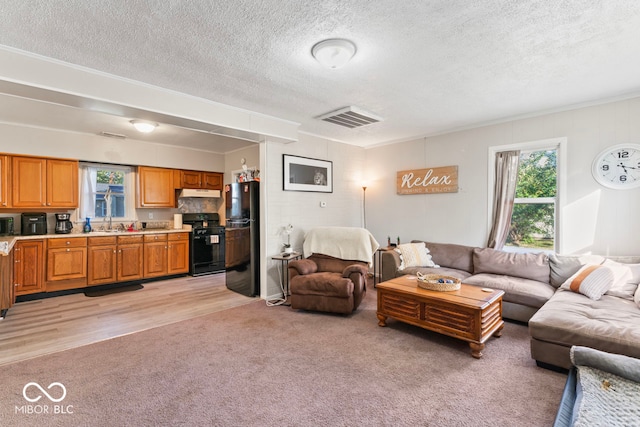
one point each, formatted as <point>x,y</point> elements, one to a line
<point>428,181</point>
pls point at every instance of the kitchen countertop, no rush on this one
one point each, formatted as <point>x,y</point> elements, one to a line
<point>7,242</point>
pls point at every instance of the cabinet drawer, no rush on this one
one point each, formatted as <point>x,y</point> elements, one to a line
<point>101,241</point>
<point>128,240</point>
<point>155,237</point>
<point>173,237</point>
<point>73,242</point>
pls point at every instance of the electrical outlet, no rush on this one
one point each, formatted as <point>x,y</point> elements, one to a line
<point>150,215</point>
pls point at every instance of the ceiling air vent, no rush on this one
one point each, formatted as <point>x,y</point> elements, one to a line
<point>112,135</point>
<point>351,117</point>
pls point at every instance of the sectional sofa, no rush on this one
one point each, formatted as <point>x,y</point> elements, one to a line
<point>536,292</point>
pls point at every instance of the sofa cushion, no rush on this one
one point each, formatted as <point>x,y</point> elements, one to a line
<point>525,265</point>
<point>626,279</point>
<point>564,266</point>
<point>324,283</point>
<point>517,290</point>
<point>609,324</point>
<point>450,255</point>
<point>445,271</point>
<point>591,281</point>
<point>414,255</point>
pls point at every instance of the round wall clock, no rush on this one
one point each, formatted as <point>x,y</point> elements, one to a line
<point>618,166</point>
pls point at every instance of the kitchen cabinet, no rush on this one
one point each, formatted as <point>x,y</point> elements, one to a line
<point>7,288</point>
<point>155,255</point>
<point>178,253</point>
<point>66,263</point>
<point>101,260</point>
<point>44,183</point>
<point>130,258</point>
<point>4,181</point>
<point>114,259</point>
<point>62,183</point>
<point>155,187</point>
<point>201,180</point>
<point>28,267</point>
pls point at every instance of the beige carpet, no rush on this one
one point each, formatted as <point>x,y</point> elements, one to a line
<point>270,366</point>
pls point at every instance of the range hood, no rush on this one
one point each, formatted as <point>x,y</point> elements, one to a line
<point>199,193</point>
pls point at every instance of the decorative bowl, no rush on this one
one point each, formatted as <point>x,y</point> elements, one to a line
<point>438,282</point>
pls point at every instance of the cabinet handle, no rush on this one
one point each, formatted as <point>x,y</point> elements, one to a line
<point>68,250</point>
<point>114,251</point>
<point>68,242</point>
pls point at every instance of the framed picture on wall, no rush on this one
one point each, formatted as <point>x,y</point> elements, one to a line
<point>305,174</point>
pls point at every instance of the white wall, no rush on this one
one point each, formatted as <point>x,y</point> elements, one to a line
<point>596,219</point>
<point>302,209</point>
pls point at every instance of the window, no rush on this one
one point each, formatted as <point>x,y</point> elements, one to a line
<point>106,192</point>
<point>533,221</point>
<point>536,221</point>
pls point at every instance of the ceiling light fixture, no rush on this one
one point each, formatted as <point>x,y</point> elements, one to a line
<point>333,53</point>
<point>143,126</point>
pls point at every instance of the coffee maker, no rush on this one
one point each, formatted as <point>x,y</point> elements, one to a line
<point>63,224</point>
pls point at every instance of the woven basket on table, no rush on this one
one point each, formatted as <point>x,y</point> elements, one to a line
<point>432,282</point>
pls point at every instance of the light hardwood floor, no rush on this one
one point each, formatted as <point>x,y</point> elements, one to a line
<point>35,328</point>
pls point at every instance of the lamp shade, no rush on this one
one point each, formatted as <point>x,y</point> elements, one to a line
<point>333,53</point>
<point>143,126</point>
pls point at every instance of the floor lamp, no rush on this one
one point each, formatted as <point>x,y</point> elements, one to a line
<point>364,205</point>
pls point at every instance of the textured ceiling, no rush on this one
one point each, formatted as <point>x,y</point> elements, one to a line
<point>425,67</point>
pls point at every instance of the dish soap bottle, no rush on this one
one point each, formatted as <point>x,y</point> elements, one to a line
<point>87,225</point>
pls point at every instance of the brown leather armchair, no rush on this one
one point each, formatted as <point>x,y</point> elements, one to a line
<point>325,283</point>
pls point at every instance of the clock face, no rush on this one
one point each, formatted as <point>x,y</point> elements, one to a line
<point>618,166</point>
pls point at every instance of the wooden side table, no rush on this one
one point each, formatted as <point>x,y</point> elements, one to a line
<point>284,264</point>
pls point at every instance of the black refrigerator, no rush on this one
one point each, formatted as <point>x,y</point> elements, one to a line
<point>242,201</point>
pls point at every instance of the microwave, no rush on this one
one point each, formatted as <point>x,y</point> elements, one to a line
<point>6,226</point>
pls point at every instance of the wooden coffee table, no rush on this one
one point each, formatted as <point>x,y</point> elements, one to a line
<point>470,313</point>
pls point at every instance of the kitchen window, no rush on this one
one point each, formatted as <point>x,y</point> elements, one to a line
<point>106,192</point>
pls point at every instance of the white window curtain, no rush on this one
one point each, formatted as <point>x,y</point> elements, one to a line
<point>503,195</point>
<point>88,192</point>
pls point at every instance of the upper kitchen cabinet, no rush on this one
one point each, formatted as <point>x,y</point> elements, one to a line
<point>155,187</point>
<point>201,180</point>
<point>4,181</point>
<point>212,180</point>
<point>62,183</point>
<point>44,183</point>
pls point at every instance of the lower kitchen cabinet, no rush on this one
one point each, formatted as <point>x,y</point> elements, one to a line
<point>178,253</point>
<point>115,259</point>
<point>102,260</point>
<point>66,263</point>
<point>130,258</point>
<point>28,267</point>
<point>155,255</point>
<point>7,288</point>
<point>54,264</point>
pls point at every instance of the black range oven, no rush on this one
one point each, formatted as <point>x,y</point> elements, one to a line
<point>206,248</point>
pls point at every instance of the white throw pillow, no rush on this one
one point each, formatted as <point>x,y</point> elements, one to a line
<point>591,280</point>
<point>414,255</point>
<point>626,278</point>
